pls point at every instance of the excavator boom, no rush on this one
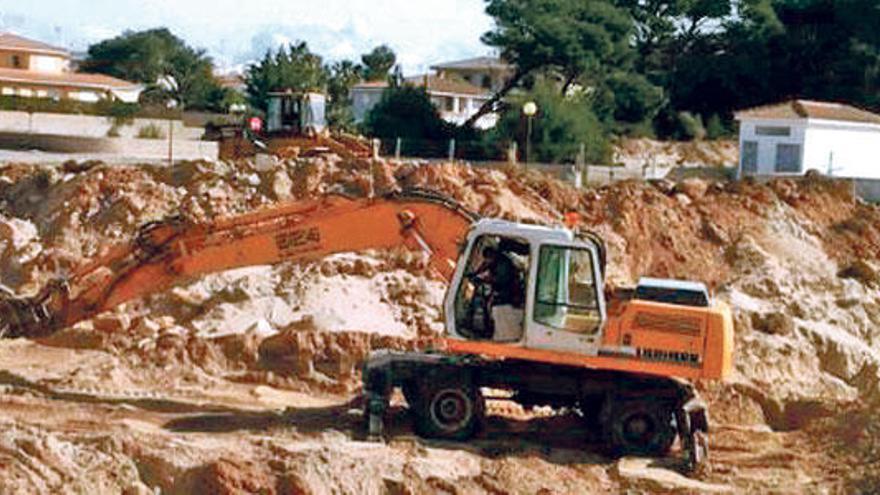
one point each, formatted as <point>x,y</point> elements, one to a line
<point>173,251</point>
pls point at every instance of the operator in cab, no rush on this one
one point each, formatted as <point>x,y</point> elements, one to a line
<point>506,303</point>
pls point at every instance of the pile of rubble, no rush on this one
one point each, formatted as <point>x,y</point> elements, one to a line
<point>797,260</point>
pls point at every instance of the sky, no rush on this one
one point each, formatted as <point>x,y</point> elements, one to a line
<point>235,32</point>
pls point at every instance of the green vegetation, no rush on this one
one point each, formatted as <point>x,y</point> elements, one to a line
<point>295,67</point>
<point>378,63</point>
<point>121,113</point>
<point>147,56</point>
<point>151,131</point>
<point>562,125</point>
<point>342,76</point>
<point>680,68</point>
<point>406,112</point>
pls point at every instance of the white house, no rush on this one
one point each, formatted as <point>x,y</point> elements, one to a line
<point>456,99</point>
<point>793,137</point>
<point>489,73</point>
<point>33,69</point>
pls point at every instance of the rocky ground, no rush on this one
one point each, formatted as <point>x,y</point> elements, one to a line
<point>240,382</point>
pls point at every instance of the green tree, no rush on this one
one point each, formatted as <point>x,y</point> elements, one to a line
<point>147,56</point>
<point>294,67</point>
<point>578,40</point>
<point>406,112</point>
<point>627,103</point>
<point>561,126</point>
<point>342,76</point>
<point>772,50</point>
<point>378,63</point>
<point>665,28</point>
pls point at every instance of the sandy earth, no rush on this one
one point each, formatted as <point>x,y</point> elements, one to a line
<point>241,382</point>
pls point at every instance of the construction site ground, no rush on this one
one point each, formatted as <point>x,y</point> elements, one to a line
<point>246,381</point>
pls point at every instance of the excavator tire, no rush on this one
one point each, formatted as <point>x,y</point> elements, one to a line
<point>450,409</point>
<point>638,426</point>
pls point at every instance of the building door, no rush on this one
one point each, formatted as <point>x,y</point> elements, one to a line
<point>788,158</point>
<point>749,159</point>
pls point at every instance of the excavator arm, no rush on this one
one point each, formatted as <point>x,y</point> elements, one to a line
<point>170,252</point>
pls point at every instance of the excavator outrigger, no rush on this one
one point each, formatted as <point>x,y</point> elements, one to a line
<point>621,363</point>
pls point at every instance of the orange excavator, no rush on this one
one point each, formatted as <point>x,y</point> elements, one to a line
<point>622,362</point>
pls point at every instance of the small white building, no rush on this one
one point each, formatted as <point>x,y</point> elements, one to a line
<point>456,99</point>
<point>793,137</point>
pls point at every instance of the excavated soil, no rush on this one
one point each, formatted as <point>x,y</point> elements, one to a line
<point>241,382</point>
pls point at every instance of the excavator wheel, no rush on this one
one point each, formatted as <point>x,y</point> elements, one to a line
<point>448,409</point>
<point>641,427</point>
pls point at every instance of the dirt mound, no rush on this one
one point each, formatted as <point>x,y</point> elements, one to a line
<point>797,260</point>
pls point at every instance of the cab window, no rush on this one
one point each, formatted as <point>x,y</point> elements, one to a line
<point>490,298</point>
<point>566,295</point>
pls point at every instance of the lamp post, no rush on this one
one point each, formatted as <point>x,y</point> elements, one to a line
<point>529,110</point>
<point>171,104</point>
<point>169,84</point>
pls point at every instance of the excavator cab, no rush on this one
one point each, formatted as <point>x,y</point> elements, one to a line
<point>296,113</point>
<point>557,303</point>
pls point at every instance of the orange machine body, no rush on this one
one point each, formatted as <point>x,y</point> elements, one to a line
<point>640,337</point>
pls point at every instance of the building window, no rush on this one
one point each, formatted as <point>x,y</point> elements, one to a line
<point>450,103</point>
<point>487,82</point>
<point>16,61</point>
<point>788,158</point>
<point>749,157</point>
<point>765,130</point>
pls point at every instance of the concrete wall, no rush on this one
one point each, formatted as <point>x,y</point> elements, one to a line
<point>363,100</point>
<point>129,148</point>
<point>868,189</point>
<point>85,125</point>
<point>842,149</point>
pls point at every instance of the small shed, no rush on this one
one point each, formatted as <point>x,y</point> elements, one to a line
<point>793,137</point>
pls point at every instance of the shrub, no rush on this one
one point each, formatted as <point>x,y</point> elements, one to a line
<point>151,131</point>
<point>406,112</point>
<point>715,128</point>
<point>691,126</point>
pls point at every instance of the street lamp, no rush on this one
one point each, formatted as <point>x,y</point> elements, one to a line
<point>529,109</point>
<point>169,84</point>
<point>171,105</point>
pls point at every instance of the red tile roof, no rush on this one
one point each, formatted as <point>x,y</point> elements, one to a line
<point>75,79</point>
<point>806,109</point>
<point>9,41</point>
